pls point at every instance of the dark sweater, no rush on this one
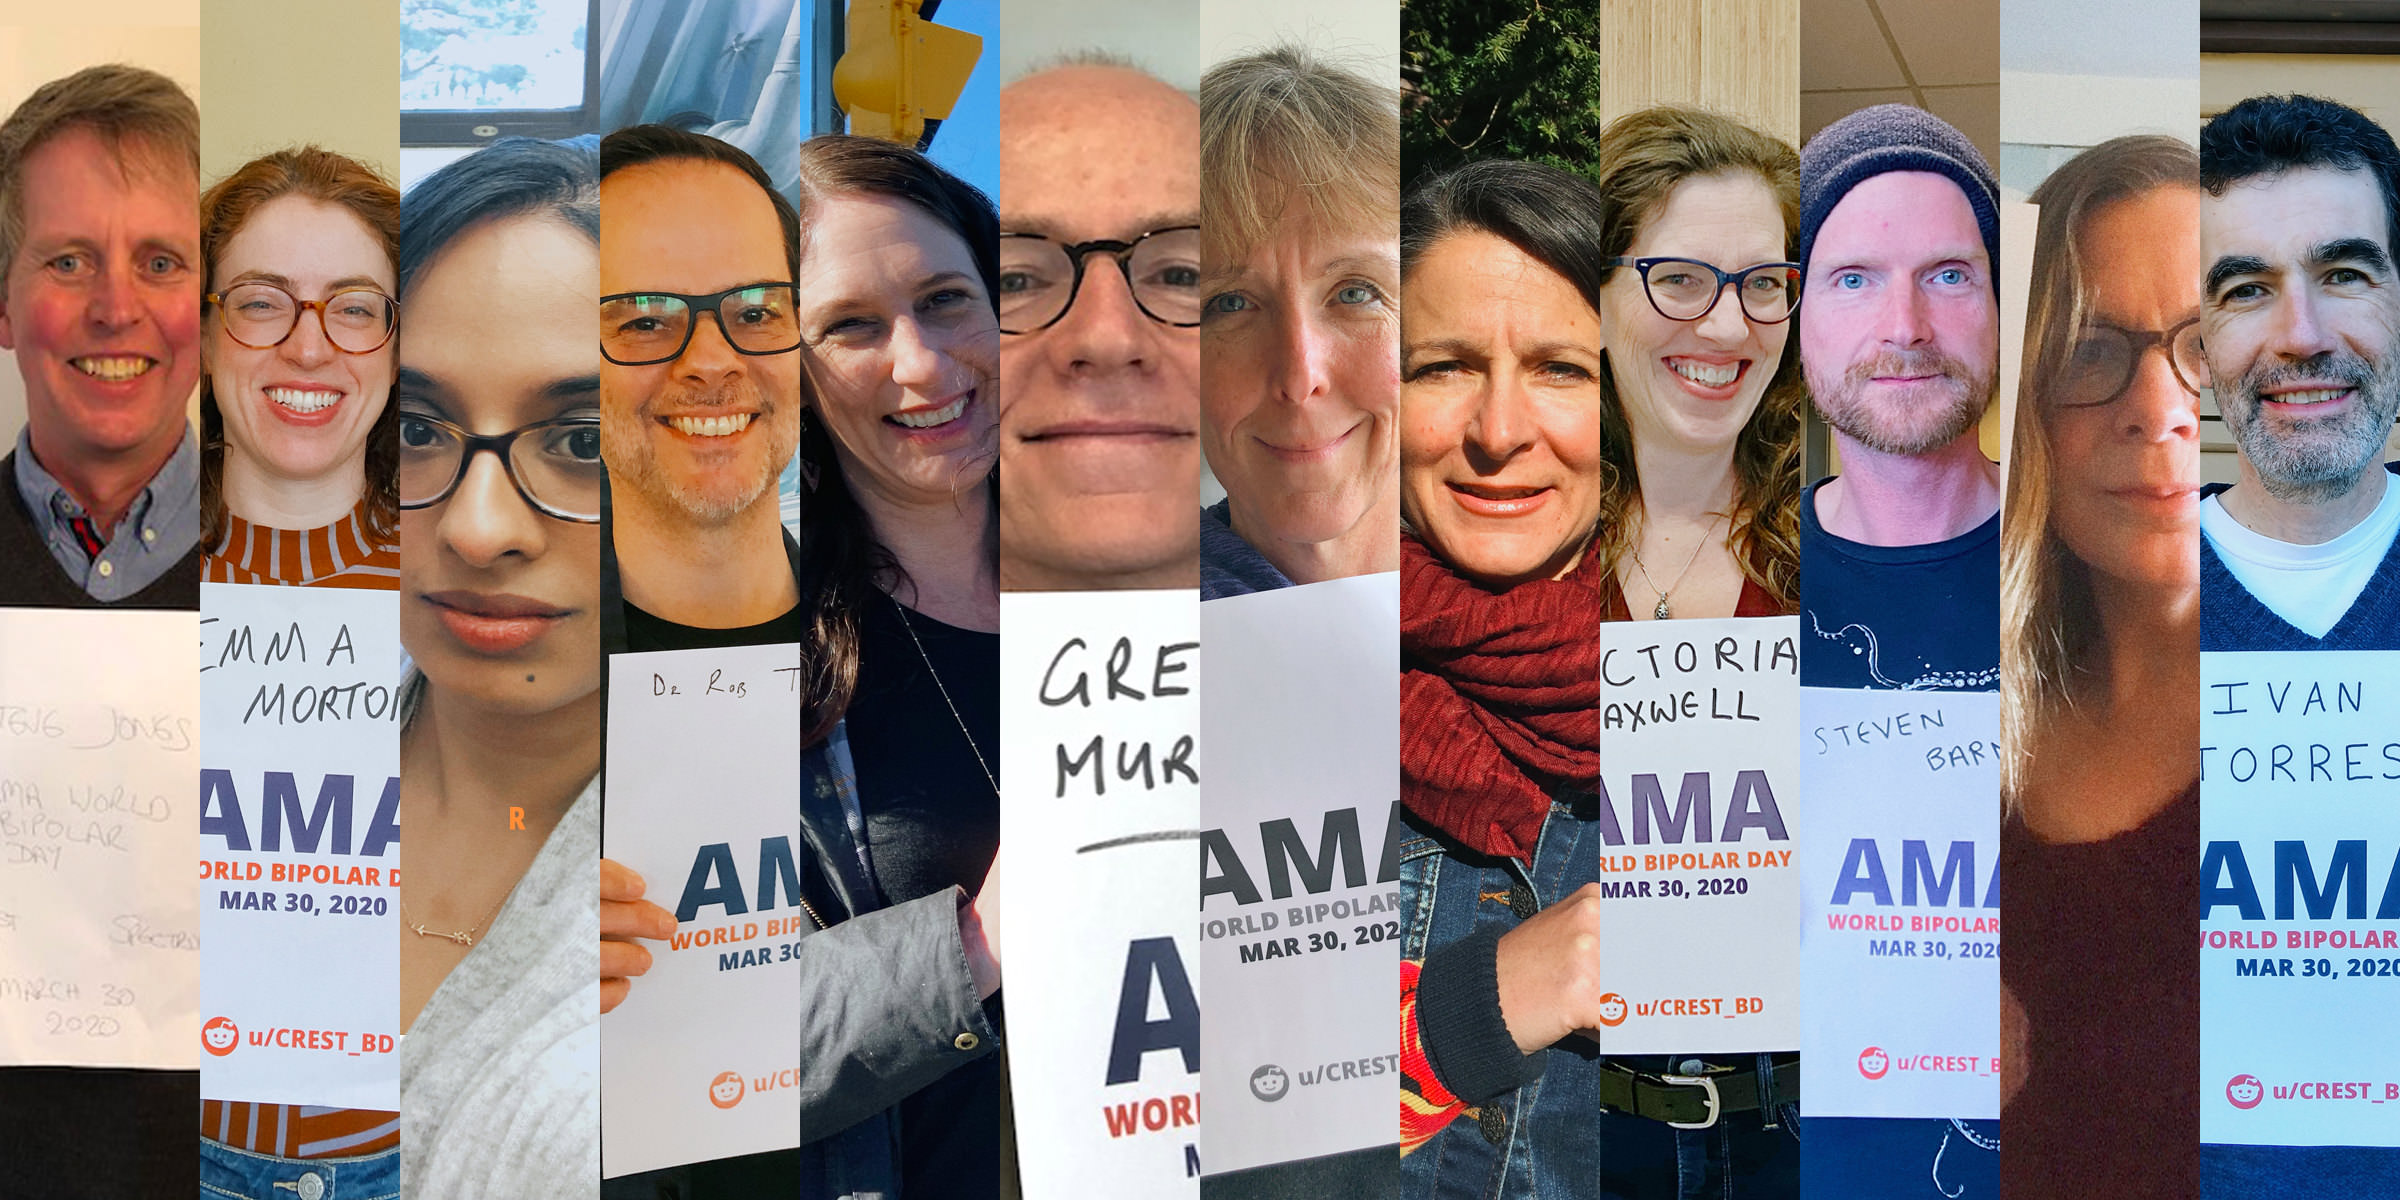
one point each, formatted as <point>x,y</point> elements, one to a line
<point>2233,619</point>
<point>30,578</point>
<point>1230,566</point>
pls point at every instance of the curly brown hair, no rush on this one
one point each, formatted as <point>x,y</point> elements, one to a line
<point>328,178</point>
<point>1643,156</point>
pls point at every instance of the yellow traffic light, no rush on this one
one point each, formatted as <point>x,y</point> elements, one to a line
<point>900,70</point>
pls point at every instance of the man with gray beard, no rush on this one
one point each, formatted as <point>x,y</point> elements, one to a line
<point>2300,318</point>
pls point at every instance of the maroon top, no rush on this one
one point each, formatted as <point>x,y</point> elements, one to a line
<point>2101,947</point>
<point>1756,601</point>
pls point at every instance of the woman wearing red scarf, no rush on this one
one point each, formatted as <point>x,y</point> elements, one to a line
<point>1500,613</point>
<point>1546,471</point>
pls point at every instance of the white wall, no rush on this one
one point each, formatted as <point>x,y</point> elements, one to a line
<point>41,42</point>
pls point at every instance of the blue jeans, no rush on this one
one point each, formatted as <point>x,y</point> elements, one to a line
<point>1741,1157</point>
<point>229,1173</point>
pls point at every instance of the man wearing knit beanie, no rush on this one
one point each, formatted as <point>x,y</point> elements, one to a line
<point>1900,338</point>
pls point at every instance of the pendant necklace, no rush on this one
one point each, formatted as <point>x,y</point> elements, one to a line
<point>927,659</point>
<point>1661,612</point>
<point>464,937</point>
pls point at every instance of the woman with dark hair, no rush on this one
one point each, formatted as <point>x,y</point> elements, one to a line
<point>499,1084</point>
<point>900,336</point>
<point>2100,603</point>
<point>1500,606</point>
<point>297,435</point>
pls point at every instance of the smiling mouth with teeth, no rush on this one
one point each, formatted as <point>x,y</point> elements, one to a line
<point>303,400</point>
<point>928,418</point>
<point>1707,374</point>
<point>720,426</point>
<point>2313,396</point>
<point>113,368</point>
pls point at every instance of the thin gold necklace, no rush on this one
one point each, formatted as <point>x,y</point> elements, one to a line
<point>927,659</point>
<point>1661,612</point>
<point>464,937</point>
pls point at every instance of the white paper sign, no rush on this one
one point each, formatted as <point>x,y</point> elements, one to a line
<point>300,845</point>
<point>1699,764</point>
<point>99,921</point>
<point>702,787</point>
<point>1900,930</point>
<point>1300,927</point>
<point>1099,820</point>
<point>2299,912</point>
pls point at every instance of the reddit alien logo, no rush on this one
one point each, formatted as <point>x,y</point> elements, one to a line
<point>1612,1009</point>
<point>1873,1062</point>
<point>725,1090</point>
<point>220,1036</point>
<point>2245,1091</point>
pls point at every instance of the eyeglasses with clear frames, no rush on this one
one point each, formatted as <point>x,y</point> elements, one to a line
<point>263,316</point>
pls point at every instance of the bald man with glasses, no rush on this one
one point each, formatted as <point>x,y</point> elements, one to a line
<point>1100,345</point>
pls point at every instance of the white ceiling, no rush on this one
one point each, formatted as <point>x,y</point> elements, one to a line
<point>2148,39</point>
<point>1941,55</point>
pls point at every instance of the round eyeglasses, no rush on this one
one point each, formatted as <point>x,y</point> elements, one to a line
<point>262,316</point>
<point>555,465</point>
<point>1040,278</point>
<point>639,329</point>
<point>1686,289</point>
<point>2103,359</point>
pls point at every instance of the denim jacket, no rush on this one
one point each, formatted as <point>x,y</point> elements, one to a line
<point>1538,1141</point>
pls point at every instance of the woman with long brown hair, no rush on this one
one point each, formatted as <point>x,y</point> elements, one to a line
<point>2100,604</point>
<point>1700,417</point>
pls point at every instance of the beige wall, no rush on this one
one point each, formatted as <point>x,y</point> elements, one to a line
<point>289,72</point>
<point>1735,56</point>
<point>38,43</point>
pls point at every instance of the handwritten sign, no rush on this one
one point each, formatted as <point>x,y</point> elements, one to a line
<point>1099,816</point>
<point>1699,749</point>
<point>300,845</point>
<point>99,929</point>
<point>1900,929</point>
<point>1299,871</point>
<point>702,787</point>
<point>2299,898</point>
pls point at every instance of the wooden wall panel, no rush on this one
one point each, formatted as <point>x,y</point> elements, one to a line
<point>1736,56</point>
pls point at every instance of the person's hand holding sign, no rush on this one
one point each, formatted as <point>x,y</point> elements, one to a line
<point>1549,971</point>
<point>624,916</point>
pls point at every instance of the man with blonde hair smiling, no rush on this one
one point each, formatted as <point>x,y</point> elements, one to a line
<point>100,242</point>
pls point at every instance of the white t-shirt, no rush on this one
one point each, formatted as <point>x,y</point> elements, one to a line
<point>2309,586</point>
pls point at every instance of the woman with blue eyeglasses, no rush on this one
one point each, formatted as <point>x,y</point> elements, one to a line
<point>1701,393</point>
<point>499,486</point>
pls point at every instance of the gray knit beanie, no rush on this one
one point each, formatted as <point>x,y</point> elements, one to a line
<point>1893,137</point>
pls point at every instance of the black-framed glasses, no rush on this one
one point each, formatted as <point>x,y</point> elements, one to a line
<point>2103,358</point>
<point>263,316</point>
<point>638,329</point>
<point>1040,278</point>
<point>1686,289</point>
<point>554,464</point>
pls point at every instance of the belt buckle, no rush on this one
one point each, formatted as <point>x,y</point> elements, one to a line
<point>1708,1090</point>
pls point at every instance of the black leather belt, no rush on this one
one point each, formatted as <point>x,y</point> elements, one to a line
<point>1697,1101</point>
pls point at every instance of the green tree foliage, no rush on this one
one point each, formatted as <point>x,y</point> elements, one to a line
<point>1483,79</point>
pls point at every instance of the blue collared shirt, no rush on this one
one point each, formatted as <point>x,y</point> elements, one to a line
<point>158,529</point>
